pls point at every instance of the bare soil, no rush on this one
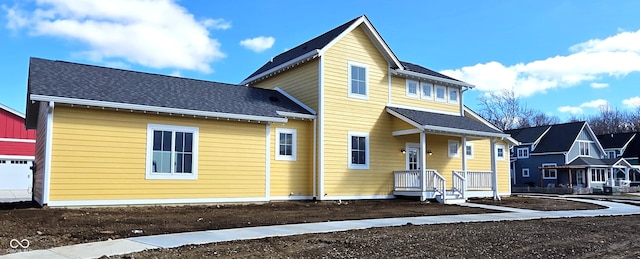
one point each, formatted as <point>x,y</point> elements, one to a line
<point>541,204</point>
<point>50,227</point>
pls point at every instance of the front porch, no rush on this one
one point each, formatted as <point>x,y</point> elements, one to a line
<point>430,184</point>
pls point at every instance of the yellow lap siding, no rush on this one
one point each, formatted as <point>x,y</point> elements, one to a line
<point>343,114</point>
<point>99,154</point>
<point>295,177</point>
<point>300,82</point>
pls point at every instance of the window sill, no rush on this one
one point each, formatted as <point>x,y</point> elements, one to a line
<point>161,176</point>
<point>359,167</point>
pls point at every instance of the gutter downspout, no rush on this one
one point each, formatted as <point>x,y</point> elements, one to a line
<point>461,100</point>
<point>320,119</point>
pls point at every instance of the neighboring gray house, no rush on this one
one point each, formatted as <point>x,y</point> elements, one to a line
<point>567,154</point>
<point>627,146</point>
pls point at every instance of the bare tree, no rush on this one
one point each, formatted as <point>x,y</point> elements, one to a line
<point>505,110</point>
<point>611,120</point>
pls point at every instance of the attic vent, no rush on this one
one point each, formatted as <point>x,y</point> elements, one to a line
<point>274,98</point>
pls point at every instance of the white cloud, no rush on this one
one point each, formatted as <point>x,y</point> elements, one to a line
<point>157,34</point>
<point>596,104</point>
<point>570,109</point>
<point>258,44</point>
<point>617,55</point>
<point>633,102</point>
<point>599,85</point>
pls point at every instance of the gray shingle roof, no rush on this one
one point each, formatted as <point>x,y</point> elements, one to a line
<point>559,138</point>
<point>617,140</point>
<point>589,161</point>
<point>315,43</point>
<point>527,135</point>
<point>423,70</point>
<point>88,82</point>
<point>444,120</point>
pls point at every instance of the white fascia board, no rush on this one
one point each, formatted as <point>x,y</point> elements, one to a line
<point>406,73</point>
<point>478,117</point>
<point>17,113</point>
<point>395,105</point>
<point>593,135</point>
<point>627,144</point>
<point>464,131</point>
<point>302,58</point>
<point>374,36</point>
<point>535,143</point>
<point>295,100</point>
<point>137,107</point>
<point>296,115</point>
<point>546,153</point>
<point>405,132</point>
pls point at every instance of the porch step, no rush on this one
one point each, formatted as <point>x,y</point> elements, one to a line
<point>451,199</point>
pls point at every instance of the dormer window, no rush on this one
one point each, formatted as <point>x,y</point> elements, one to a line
<point>441,93</point>
<point>412,88</point>
<point>453,95</point>
<point>427,90</point>
<point>523,152</point>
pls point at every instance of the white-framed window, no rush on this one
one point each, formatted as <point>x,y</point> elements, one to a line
<point>525,172</point>
<point>611,154</point>
<point>172,152</point>
<point>584,148</point>
<point>523,152</point>
<point>454,146</point>
<point>426,90</point>
<point>599,175</point>
<point>500,152</point>
<point>454,94</point>
<point>469,150</point>
<point>286,144</point>
<point>441,93</point>
<point>358,150</point>
<point>358,81</point>
<point>549,173</point>
<point>412,88</point>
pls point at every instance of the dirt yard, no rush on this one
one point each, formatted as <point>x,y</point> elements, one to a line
<point>47,227</point>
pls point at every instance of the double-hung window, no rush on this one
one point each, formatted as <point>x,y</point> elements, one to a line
<point>358,150</point>
<point>412,88</point>
<point>172,152</point>
<point>453,148</point>
<point>286,144</point>
<point>469,150</point>
<point>441,93</point>
<point>549,173</point>
<point>358,82</point>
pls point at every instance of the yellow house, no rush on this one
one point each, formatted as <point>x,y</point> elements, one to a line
<point>337,117</point>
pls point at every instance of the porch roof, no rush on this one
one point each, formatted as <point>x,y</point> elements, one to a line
<point>437,122</point>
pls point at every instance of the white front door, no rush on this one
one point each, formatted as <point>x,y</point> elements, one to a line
<point>413,157</point>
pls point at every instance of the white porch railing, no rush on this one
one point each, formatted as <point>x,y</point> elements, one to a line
<point>458,182</point>
<point>478,179</point>
<point>416,180</point>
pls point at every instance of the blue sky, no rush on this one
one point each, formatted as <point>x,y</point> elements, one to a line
<point>560,57</point>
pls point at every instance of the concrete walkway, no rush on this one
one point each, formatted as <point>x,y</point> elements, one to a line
<point>135,244</point>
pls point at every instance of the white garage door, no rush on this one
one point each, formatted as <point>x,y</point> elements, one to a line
<point>15,174</point>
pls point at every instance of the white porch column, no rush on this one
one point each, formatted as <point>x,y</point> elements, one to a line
<point>423,152</point>
<point>464,166</point>
<point>494,169</point>
<point>611,178</point>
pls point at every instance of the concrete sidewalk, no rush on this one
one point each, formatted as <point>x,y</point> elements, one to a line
<point>135,244</point>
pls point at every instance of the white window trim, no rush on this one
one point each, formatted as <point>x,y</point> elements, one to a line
<point>504,151</point>
<point>294,145</point>
<point>457,154</point>
<point>449,89</point>
<point>584,142</point>
<point>366,80</point>
<point>470,146</point>
<point>409,94</point>
<point>527,172</point>
<point>367,150</point>
<point>556,170</point>
<point>524,149</point>
<point>435,93</point>
<point>422,96</point>
<point>171,176</point>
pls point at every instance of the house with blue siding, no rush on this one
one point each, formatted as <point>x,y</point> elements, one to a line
<point>627,146</point>
<point>563,155</point>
